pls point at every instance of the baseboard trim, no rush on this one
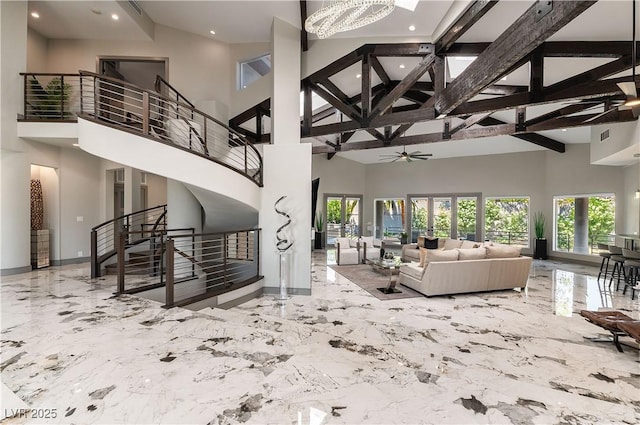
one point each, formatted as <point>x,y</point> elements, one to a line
<point>67,261</point>
<point>17,270</point>
<point>272,290</point>
<point>243,299</point>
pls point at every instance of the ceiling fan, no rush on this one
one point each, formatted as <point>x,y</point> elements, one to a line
<point>628,87</point>
<point>404,156</point>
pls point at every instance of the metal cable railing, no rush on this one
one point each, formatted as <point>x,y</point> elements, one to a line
<point>121,105</point>
<point>51,96</point>
<point>104,236</point>
<point>190,266</point>
<point>565,242</point>
<point>508,237</point>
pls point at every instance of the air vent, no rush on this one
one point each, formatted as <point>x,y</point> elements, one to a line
<point>136,6</point>
<point>604,135</point>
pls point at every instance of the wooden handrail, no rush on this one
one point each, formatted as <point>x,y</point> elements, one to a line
<point>130,214</point>
<point>161,81</point>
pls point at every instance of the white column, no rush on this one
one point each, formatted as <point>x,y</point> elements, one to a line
<point>15,170</point>
<point>287,167</point>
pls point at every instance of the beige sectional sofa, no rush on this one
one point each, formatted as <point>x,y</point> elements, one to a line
<point>464,270</point>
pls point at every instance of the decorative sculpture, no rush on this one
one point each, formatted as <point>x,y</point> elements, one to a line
<point>283,243</point>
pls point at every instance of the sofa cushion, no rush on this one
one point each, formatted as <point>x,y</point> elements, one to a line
<point>431,243</point>
<point>470,244</point>
<point>343,242</point>
<point>435,255</point>
<point>412,269</point>
<point>503,251</point>
<point>452,244</point>
<point>472,253</point>
<point>368,240</point>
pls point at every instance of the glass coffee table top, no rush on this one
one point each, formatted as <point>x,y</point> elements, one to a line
<point>390,266</point>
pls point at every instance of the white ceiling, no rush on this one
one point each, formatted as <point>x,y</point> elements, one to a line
<point>242,21</point>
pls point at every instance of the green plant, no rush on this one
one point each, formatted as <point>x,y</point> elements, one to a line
<point>539,223</point>
<point>403,234</point>
<point>319,222</point>
<point>51,101</point>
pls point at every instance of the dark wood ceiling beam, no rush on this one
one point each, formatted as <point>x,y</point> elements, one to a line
<point>304,37</point>
<point>330,93</point>
<point>365,90</point>
<point>379,69</point>
<point>307,114</point>
<point>340,127</point>
<point>398,50</point>
<point>536,139</point>
<point>536,72</point>
<point>520,39</point>
<point>582,120</point>
<point>469,121</point>
<point>504,90</point>
<point>336,66</point>
<point>249,113</point>
<point>590,49</point>
<point>597,73</point>
<point>476,11</point>
<point>407,82</point>
<point>416,96</point>
<point>566,110</point>
<point>379,136</point>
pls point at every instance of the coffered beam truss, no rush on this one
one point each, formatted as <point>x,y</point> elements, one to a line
<point>463,107</point>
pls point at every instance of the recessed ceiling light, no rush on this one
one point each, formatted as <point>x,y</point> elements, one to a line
<point>412,28</point>
<point>35,15</point>
<point>401,66</point>
<point>212,32</point>
<point>358,75</point>
<point>564,129</point>
<point>114,17</point>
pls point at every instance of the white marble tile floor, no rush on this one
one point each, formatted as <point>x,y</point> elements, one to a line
<point>74,353</point>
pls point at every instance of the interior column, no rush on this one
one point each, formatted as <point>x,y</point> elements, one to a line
<point>581,226</point>
<point>287,168</point>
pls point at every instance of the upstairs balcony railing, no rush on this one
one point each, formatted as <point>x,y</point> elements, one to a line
<point>50,97</point>
<point>113,102</point>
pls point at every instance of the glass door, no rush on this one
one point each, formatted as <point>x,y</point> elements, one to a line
<point>343,217</point>
<point>444,216</point>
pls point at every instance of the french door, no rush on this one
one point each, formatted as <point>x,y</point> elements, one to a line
<point>445,216</point>
<point>343,215</point>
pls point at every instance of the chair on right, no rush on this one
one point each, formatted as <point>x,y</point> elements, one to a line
<point>632,262</point>
<point>618,265</point>
<point>606,256</point>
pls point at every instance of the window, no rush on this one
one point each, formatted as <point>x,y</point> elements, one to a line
<point>506,220</point>
<point>253,69</point>
<point>389,218</point>
<point>581,222</point>
<point>467,216</point>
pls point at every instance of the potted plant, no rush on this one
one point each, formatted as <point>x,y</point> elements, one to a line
<point>318,240</point>
<point>403,238</point>
<point>539,223</point>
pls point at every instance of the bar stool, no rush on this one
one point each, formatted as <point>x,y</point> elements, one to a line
<point>618,265</point>
<point>632,261</point>
<point>606,256</point>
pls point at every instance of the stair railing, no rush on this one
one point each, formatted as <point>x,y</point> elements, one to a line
<point>104,236</point>
<point>191,267</point>
<point>124,106</point>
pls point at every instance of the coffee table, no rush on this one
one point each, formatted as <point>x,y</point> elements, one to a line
<point>390,267</point>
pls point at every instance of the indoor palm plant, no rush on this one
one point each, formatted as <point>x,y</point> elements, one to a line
<point>539,224</point>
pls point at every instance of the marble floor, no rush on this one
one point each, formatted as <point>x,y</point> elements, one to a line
<point>73,353</point>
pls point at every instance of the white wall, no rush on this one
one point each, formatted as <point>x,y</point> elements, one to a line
<point>621,137</point>
<point>257,91</point>
<point>338,175</point>
<point>156,190</point>
<point>198,66</point>
<point>36,51</point>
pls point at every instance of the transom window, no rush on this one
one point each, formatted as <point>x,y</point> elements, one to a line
<point>253,69</point>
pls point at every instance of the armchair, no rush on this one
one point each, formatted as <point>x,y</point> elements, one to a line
<point>348,251</point>
<point>370,248</point>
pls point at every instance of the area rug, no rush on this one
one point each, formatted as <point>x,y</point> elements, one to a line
<point>370,281</point>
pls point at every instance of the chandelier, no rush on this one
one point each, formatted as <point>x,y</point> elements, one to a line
<point>346,15</point>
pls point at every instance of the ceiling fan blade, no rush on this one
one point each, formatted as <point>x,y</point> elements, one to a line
<point>395,160</point>
<point>421,159</point>
<point>414,153</point>
<point>408,159</point>
<point>628,88</point>
<point>423,154</point>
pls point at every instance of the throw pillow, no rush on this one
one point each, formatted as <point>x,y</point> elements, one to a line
<point>469,244</point>
<point>472,253</point>
<point>421,242</point>
<point>343,242</point>
<point>368,240</point>
<point>435,255</point>
<point>431,243</point>
<point>452,244</point>
<point>503,251</point>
